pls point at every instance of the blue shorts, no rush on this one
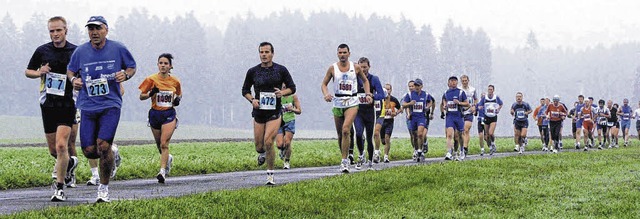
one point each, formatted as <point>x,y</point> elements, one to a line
<point>625,124</point>
<point>426,124</point>
<point>98,124</point>
<point>468,117</point>
<point>457,123</point>
<point>379,120</point>
<point>417,121</point>
<point>288,127</point>
<point>157,118</point>
<point>579,123</point>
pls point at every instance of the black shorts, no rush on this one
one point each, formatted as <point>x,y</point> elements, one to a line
<point>264,117</point>
<point>480,125</point>
<point>519,125</point>
<point>489,120</point>
<point>387,127</point>
<point>52,117</point>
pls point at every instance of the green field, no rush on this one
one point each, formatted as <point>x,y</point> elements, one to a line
<point>595,184</point>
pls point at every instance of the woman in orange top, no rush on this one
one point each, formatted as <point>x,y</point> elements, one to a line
<point>556,112</point>
<point>587,115</point>
<point>165,92</point>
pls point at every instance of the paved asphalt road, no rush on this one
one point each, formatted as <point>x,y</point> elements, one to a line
<point>17,200</point>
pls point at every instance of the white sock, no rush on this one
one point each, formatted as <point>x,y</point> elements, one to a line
<point>102,187</point>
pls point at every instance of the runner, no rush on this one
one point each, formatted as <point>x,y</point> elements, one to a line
<point>491,104</point>
<point>556,112</point>
<point>468,112</point>
<point>290,108</point>
<point>345,102</point>
<point>452,102</point>
<point>165,92</point>
<point>412,136</point>
<point>586,115</point>
<point>520,110</point>
<point>573,117</point>
<point>625,120</point>
<point>418,102</point>
<point>428,114</point>
<point>266,79</point>
<point>48,63</point>
<point>481,133</point>
<point>613,124</point>
<point>636,116</point>
<point>102,64</point>
<point>367,114</point>
<point>543,123</point>
<point>578,120</point>
<point>603,114</point>
<point>384,124</point>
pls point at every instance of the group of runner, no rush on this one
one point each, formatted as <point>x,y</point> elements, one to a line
<point>84,85</point>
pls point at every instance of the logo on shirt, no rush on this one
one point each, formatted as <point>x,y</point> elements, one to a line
<point>110,66</point>
<point>99,67</point>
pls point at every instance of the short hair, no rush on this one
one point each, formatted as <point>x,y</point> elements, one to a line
<point>58,18</point>
<point>590,98</point>
<point>168,56</point>
<point>389,85</point>
<point>342,46</point>
<point>601,101</point>
<point>519,93</point>
<point>543,98</point>
<point>464,76</point>
<point>266,44</point>
<point>364,59</point>
<point>491,86</point>
<point>580,96</point>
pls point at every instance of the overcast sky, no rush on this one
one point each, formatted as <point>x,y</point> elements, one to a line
<point>566,23</point>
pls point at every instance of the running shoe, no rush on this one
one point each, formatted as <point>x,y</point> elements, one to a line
<point>586,148</point>
<point>70,179</point>
<point>360,162</point>
<point>167,169</point>
<point>415,155</point>
<point>369,165</point>
<point>58,195</point>
<point>344,166</point>
<point>103,196</point>
<point>545,148</point>
<point>116,158</point>
<point>352,159</point>
<point>463,153</point>
<point>481,151</point>
<point>161,177</point>
<point>376,157</point>
<point>286,165</point>
<point>521,150</point>
<point>492,149</point>
<point>448,156</point>
<point>421,157</point>
<point>262,157</point>
<point>577,146</point>
<point>94,181</point>
<point>386,159</point>
<point>517,148</point>
<point>270,181</point>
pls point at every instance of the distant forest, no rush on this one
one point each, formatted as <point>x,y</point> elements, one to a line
<point>212,63</point>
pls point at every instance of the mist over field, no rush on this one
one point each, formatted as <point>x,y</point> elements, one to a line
<point>212,62</point>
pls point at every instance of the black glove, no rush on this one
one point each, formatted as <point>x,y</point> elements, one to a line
<point>154,91</point>
<point>176,101</point>
<point>442,115</point>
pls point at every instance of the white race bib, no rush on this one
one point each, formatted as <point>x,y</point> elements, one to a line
<point>55,83</point>
<point>97,87</point>
<point>586,117</point>
<point>267,101</point>
<point>377,106</point>
<point>626,116</point>
<point>164,99</point>
<point>362,97</point>
<point>345,87</point>
<point>452,106</point>
<point>555,114</point>
<point>418,107</point>
<point>520,114</point>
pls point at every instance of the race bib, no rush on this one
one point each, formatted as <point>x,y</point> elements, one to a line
<point>626,116</point>
<point>555,114</point>
<point>587,117</point>
<point>418,107</point>
<point>362,97</point>
<point>97,87</point>
<point>55,83</point>
<point>285,107</point>
<point>377,105</point>
<point>452,106</point>
<point>267,101</point>
<point>345,87</point>
<point>602,121</point>
<point>164,99</point>
<point>610,124</point>
<point>520,114</point>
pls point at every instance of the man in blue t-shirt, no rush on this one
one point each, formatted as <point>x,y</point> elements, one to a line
<point>520,110</point>
<point>452,102</point>
<point>101,65</point>
<point>417,100</point>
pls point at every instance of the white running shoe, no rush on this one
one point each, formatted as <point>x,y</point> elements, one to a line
<point>344,166</point>
<point>167,169</point>
<point>58,195</point>
<point>415,155</point>
<point>116,159</point>
<point>481,151</point>
<point>516,148</point>
<point>360,162</point>
<point>270,181</point>
<point>369,165</point>
<point>103,196</point>
<point>94,181</point>
<point>376,157</point>
<point>463,153</point>
<point>545,148</point>
<point>262,157</point>
<point>286,165</point>
<point>386,159</point>
<point>555,151</point>
<point>448,156</point>
<point>521,149</point>
<point>70,179</point>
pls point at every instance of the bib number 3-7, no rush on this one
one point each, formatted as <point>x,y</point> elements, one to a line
<point>56,83</point>
<point>267,101</point>
<point>97,87</point>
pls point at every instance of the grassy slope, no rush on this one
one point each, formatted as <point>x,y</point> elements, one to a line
<point>566,185</point>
